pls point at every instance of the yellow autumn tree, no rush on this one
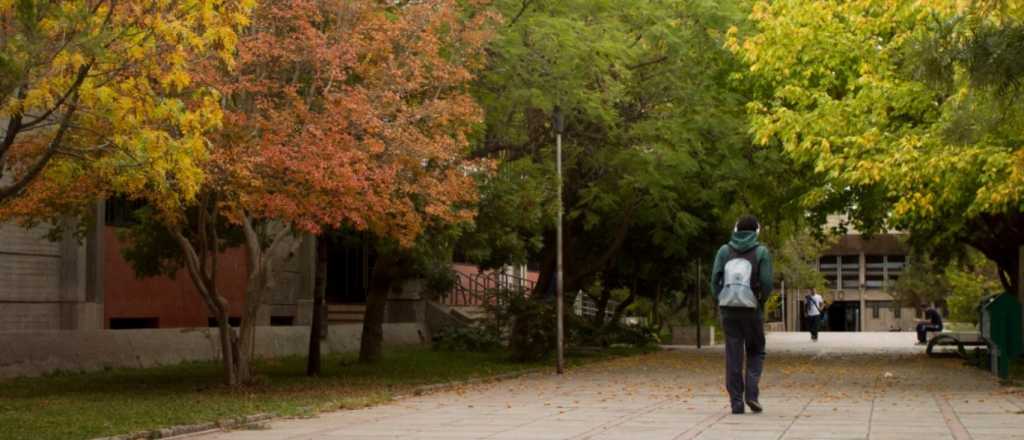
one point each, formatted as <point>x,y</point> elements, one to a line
<point>908,111</point>
<point>96,97</point>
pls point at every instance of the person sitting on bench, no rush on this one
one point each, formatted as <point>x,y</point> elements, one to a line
<point>932,323</point>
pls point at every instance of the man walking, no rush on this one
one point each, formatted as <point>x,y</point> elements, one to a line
<point>814,304</point>
<point>742,281</point>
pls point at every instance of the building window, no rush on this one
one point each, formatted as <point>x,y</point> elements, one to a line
<point>874,271</point>
<point>828,265</point>
<point>897,310</point>
<point>120,211</point>
<point>849,272</point>
<point>894,267</point>
<point>133,323</point>
<point>875,306</point>
<point>282,321</point>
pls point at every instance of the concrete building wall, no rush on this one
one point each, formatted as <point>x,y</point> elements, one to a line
<point>84,283</point>
<point>30,268</point>
<point>855,287</point>
<point>45,284</point>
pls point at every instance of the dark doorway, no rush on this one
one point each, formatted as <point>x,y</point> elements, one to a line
<point>349,259</point>
<point>843,316</point>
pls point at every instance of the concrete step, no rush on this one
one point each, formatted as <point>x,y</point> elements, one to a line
<point>345,313</point>
<point>470,313</point>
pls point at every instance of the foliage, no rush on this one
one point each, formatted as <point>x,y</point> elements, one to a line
<point>773,304</point>
<point>969,282</point>
<point>922,282</point>
<point>907,112</point>
<point>318,133</point>
<point>99,97</point>
<point>533,336</point>
<point>318,124</point>
<point>516,205</point>
<point>960,283</point>
<point>796,257</point>
<point>467,338</point>
<point>586,333</point>
<point>647,178</point>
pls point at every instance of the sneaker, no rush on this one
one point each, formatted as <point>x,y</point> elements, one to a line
<point>737,411</point>
<point>754,406</point>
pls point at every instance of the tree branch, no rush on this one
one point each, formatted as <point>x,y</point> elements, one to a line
<point>526,4</point>
<point>18,186</point>
<point>660,59</point>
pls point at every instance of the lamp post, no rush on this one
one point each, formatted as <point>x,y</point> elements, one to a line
<point>700,304</point>
<point>559,125</point>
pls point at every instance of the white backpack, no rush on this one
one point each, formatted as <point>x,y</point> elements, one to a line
<point>739,280</point>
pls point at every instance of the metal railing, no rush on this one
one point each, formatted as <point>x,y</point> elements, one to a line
<point>585,306</point>
<point>481,289</point>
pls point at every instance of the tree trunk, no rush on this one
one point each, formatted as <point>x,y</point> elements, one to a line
<point>621,308</point>
<point>656,319</point>
<point>202,269</point>
<point>384,271</point>
<point>228,349</point>
<point>602,306</point>
<point>316,329</point>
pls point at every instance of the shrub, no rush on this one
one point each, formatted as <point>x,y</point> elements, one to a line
<point>533,333</point>
<point>585,333</point>
<point>466,338</point>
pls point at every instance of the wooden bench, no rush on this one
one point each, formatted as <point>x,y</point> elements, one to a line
<point>960,340</point>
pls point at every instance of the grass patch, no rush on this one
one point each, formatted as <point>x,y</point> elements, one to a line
<point>88,405</point>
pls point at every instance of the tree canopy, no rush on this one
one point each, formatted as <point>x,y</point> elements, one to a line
<point>99,96</point>
<point>656,148</point>
<point>908,112</point>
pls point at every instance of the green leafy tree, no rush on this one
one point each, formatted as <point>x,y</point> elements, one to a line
<point>655,143</point>
<point>969,281</point>
<point>922,282</point>
<point>908,113</point>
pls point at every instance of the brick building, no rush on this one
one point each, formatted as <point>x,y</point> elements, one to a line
<point>72,284</point>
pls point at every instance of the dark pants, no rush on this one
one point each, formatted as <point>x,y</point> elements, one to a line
<point>814,322</point>
<point>743,337</point>
<point>923,329</point>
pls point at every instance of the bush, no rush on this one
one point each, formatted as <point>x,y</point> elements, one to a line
<point>532,327</point>
<point>533,333</point>
<point>585,333</point>
<point>466,338</point>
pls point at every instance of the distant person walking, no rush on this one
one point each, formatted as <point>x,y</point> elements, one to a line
<point>742,280</point>
<point>815,305</point>
<point>932,323</point>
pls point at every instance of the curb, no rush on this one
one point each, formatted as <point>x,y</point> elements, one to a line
<point>447,386</point>
<point>183,431</point>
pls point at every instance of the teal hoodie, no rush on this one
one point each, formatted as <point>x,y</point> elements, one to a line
<point>742,241</point>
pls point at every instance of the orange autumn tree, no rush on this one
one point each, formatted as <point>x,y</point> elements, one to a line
<point>337,112</point>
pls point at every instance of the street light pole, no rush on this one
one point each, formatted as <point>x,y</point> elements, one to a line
<point>559,125</point>
<point>700,304</point>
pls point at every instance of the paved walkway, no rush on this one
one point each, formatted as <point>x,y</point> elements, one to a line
<point>848,386</point>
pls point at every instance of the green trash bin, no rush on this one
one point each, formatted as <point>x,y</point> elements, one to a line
<point>1001,326</point>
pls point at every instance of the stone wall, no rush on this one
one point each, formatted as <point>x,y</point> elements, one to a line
<point>42,352</point>
<point>688,335</point>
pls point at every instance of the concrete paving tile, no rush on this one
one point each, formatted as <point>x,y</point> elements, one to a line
<point>678,394</point>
